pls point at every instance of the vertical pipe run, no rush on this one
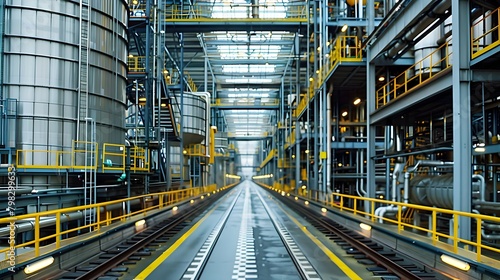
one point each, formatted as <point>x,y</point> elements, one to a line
<point>370,107</point>
<point>298,179</point>
<point>181,109</point>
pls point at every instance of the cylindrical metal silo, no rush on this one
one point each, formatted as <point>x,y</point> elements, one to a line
<point>193,118</point>
<point>429,60</point>
<point>65,63</point>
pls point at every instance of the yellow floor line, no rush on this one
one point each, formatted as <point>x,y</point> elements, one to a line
<point>345,268</point>
<point>148,270</point>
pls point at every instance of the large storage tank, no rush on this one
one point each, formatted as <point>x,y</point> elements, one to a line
<point>432,190</point>
<point>53,54</point>
<point>194,117</point>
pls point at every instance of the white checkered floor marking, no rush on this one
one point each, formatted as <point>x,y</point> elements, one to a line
<point>245,265</point>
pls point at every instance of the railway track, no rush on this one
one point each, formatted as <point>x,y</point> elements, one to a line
<point>196,270</point>
<point>381,261</point>
<point>112,263</point>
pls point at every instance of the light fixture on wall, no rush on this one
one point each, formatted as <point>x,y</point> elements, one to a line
<point>455,262</point>
<point>36,266</point>
<point>365,226</point>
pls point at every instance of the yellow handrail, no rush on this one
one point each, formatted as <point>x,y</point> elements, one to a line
<point>113,157</point>
<point>136,64</point>
<point>139,161</point>
<point>43,159</point>
<point>196,150</point>
<point>293,11</point>
<point>343,49</point>
<point>84,154</point>
<point>400,220</point>
<point>483,40</point>
<point>245,102</point>
<point>106,217</point>
<point>420,72</point>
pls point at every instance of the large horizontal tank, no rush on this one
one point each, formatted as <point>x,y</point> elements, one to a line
<point>48,67</point>
<point>432,190</point>
<point>194,117</point>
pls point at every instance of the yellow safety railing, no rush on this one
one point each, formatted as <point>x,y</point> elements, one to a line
<point>113,157</point>
<point>139,160</point>
<point>209,11</point>
<point>149,202</point>
<point>136,64</point>
<point>269,157</point>
<point>262,134</point>
<point>191,83</point>
<point>245,102</point>
<point>285,163</point>
<point>420,72</point>
<point>290,139</point>
<point>197,150</point>
<point>305,99</point>
<point>167,77</point>
<point>400,219</point>
<point>343,49</point>
<point>137,10</point>
<point>43,159</point>
<point>84,154</point>
<point>485,36</point>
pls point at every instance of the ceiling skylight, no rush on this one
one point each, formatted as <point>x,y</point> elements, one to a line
<point>249,68</point>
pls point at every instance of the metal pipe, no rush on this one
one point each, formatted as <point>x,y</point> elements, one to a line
<point>329,137</point>
<point>424,162</point>
<point>28,225</point>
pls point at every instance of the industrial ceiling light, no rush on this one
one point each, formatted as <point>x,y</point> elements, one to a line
<point>344,28</point>
<point>357,101</point>
<point>344,114</point>
<point>455,262</point>
<point>381,78</point>
<point>163,105</point>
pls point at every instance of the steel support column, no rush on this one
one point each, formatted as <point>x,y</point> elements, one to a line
<point>462,143</point>
<point>370,108</point>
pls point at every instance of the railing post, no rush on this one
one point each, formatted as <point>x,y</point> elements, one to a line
<point>478,238</point>
<point>455,233</point>
<point>400,227</point>
<point>37,235</point>
<point>98,217</point>
<point>108,218</point>
<point>434,228</point>
<point>58,230</point>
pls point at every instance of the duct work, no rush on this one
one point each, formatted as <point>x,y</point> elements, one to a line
<point>415,33</point>
<point>437,191</point>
